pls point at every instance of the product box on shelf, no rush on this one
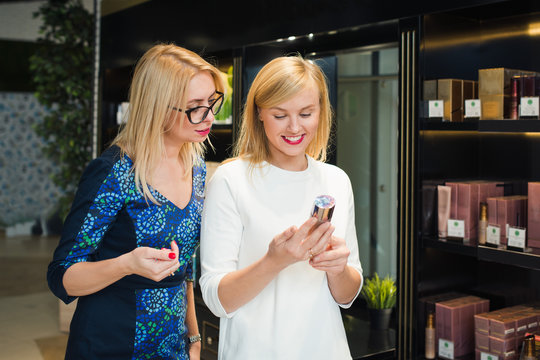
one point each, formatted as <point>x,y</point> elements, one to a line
<point>450,91</point>
<point>495,107</point>
<point>497,81</point>
<point>502,326</point>
<point>481,342</point>
<point>507,329</point>
<point>533,215</point>
<point>466,197</point>
<point>430,90</point>
<point>427,304</point>
<point>455,323</point>
<point>507,211</point>
<point>503,348</point>
<point>470,89</point>
<point>499,92</point>
<point>429,207</point>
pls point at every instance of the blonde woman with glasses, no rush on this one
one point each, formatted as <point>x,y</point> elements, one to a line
<point>128,241</point>
<point>275,276</point>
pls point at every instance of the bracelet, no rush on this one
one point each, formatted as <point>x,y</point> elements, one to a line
<point>195,338</point>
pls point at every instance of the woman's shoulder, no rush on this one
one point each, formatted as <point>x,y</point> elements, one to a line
<point>330,169</point>
<point>110,159</point>
<point>232,169</point>
<point>232,165</point>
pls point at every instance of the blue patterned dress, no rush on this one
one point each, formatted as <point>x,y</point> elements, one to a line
<point>134,318</point>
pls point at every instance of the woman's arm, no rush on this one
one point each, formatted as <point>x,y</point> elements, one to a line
<point>84,278</point>
<point>341,260</point>
<point>343,280</point>
<point>238,287</point>
<point>191,322</point>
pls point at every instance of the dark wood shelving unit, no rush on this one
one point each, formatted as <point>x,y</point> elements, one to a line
<point>529,259</point>
<point>497,150</point>
<point>482,126</point>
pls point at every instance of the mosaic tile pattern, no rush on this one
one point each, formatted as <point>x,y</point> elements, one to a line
<point>26,191</point>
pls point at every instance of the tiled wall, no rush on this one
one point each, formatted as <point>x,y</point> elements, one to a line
<point>26,191</point>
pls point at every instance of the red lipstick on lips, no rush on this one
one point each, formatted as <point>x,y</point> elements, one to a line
<point>203,132</point>
<point>293,142</point>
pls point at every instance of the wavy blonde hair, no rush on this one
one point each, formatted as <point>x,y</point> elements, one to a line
<point>160,81</point>
<point>278,81</point>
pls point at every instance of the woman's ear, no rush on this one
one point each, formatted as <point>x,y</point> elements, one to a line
<point>259,114</point>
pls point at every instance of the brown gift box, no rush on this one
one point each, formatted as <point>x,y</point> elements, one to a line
<point>504,348</point>
<point>502,326</point>
<point>497,81</point>
<point>511,210</point>
<point>533,215</point>
<point>450,91</point>
<point>481,341</point>
<point>465,202</point>
<point>455,322</point>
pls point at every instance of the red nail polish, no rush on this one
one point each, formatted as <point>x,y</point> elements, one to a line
<point>172,256</point>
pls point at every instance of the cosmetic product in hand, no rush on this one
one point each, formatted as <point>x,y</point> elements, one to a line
<point>430,337</point>
<point>323,208</point>
<point>482,224</point>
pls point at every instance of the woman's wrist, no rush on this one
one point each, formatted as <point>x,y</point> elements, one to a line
<point>196,338</point>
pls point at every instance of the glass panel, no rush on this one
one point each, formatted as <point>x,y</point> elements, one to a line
<point>367,150</point>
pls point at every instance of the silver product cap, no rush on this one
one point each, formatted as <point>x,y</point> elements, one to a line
<point>323,208</point>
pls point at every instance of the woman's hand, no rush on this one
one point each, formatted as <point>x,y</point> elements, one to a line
<point>295,245</point>
<point>333,260</point>
<point>195,351</point>
<point>152,263</point>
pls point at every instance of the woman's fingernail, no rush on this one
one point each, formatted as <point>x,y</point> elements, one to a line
<point>172,256</point>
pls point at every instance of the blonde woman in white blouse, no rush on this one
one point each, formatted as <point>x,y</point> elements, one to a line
<point>275,280</point>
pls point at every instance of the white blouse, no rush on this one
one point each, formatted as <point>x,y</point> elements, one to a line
<point>295,315</point>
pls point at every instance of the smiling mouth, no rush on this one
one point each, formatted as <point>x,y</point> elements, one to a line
<point>204,132</point>
<point>293,140</point>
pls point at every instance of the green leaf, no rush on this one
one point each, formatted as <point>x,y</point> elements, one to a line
<point>61,68</point>
<point>379,293</point>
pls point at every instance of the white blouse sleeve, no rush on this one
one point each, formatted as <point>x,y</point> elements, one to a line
<point>221,233</point>
<point>352,243</point>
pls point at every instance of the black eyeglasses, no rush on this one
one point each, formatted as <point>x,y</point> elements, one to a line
<point>197,114</point>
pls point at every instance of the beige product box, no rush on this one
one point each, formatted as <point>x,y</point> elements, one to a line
<point>497,81</point>
<point>430,90</point>
<point>495,107</point>
<point>450,91</point>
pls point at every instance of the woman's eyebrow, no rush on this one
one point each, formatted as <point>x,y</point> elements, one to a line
<point>200,100</point>
<point>302,109</point>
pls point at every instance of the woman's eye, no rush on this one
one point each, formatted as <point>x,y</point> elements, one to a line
<point>305,115</point>
<point>280,116</point>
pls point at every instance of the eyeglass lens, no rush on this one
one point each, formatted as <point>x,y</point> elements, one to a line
<point>200,113</point>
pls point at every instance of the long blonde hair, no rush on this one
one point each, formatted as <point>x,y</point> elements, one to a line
<point>277,82</point>
<point>160,81</point>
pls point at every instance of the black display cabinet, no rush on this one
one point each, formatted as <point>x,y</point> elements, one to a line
<point>455,45</point>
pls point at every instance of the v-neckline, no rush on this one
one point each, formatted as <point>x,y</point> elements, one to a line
<point>171,202</point>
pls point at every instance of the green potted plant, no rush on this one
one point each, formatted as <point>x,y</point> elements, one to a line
<point>62,71</point>
<point>380,295</point>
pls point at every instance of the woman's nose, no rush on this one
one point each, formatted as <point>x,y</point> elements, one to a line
<point>294,124</point>
<point>210,117</point>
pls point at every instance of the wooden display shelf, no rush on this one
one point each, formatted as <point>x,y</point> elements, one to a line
<point>529,259</point>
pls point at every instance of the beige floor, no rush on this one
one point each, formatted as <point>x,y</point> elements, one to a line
<point>29,326</point>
